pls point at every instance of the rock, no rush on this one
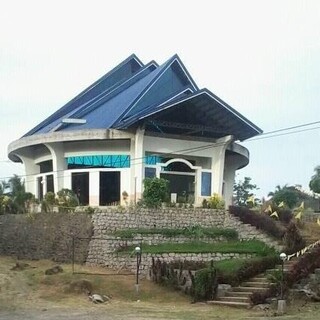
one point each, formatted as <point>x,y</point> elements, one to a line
<point>20,266</point>
<point>261,307</point>
<point>53,270</point>
<point>223,288</point>
<point>97,298</point>
<point>80,286</point>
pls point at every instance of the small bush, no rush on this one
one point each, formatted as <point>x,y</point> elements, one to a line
<point>305,265</point>
<point>67,200</point>
<point>215,202</point>
<point>246,270</point>
<point>259,220</point>
<point>293,239</point>
<point>205,284</point>
<point>156,191</point>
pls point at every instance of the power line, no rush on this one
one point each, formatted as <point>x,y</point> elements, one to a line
<point>265,135</point>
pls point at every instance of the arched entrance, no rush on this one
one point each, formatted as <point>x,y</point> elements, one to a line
<point>181,175</point>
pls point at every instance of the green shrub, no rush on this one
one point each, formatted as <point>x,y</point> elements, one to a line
<point>205,284</point>
<point>67,200</point>
<point>244,270</point>
<point>292,239</point>
<point>156,191</point>
<point>261,221</point>
<point>215,202</point>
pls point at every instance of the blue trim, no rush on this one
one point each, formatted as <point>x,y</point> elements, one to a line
<point>106,161</point>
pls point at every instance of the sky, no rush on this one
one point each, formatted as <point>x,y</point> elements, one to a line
<point>261,57</point>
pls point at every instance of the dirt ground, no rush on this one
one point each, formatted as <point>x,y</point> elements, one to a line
<point>30,294</point>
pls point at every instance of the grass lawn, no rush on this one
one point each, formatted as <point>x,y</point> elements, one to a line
<point>252,247</point>
<point>194,231</point>
<point>30,294</point>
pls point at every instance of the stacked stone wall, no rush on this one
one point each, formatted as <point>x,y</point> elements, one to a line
<point>103,248</point>
<point>45,236</point>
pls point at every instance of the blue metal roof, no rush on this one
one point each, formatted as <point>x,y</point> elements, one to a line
<point>162,96</point>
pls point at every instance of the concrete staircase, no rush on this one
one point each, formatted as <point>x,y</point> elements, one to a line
<point>240,296</point>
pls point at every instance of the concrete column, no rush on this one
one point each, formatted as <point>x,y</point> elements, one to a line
<point>31,170</point>
<point>59,164</point>
<point>94,188</point>
<point>197,190</point>
<point>229,176</point>
<point>217,164</point>
<point>137,165</point>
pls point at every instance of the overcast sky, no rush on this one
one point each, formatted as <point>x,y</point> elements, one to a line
<point>261,57</point>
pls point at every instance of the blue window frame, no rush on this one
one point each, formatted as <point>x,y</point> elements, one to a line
<point>99,161</point>
<point>206,184</point>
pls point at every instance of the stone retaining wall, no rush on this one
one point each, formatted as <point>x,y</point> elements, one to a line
<point>119,261</point>
<point>102,248</point>
<point>45,236</point>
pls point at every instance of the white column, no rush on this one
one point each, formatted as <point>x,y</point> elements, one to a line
<point>197,189</point>
<point>31,170</point>
<point>94,188</point>
<point>137,165</point>
<point>59,164</point>
<point>229,176</point>
<point>217,164</point>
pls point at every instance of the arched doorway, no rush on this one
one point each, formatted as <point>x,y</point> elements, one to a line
<point>181,176</point>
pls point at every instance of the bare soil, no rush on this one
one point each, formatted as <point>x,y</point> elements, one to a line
<point>30,294</point>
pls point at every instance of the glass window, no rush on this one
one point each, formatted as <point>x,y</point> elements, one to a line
<point>99,161</point>
<point>206,184</point>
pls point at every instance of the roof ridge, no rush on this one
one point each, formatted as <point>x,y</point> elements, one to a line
<point>64,108</point>
<point>164,67</point>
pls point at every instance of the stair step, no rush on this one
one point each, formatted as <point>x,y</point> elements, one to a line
<point>234,299</point>
<point>230,304</point>
<point>248,289</point>
<point>237,294</point>
<point>275,270</point>
<point>256,284</point>
<point>260,279</point>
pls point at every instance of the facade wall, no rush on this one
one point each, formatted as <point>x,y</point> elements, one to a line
<point>211,168</point>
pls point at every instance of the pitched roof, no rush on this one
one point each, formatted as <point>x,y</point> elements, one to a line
<point>162,96</point>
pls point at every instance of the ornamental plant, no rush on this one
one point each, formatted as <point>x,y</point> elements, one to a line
<point>156,191</point>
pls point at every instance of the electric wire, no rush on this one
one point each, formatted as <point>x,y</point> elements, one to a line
<point>262,136</point>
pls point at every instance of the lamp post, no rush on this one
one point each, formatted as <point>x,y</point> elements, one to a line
<point>138,257</point>
<point>283,257</point>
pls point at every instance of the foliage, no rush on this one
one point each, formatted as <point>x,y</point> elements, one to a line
<point>48,202</point>
<point>290,195</point>
<point>67,200</point>
<point>242,191</point>
<point>156,191</point>
<point>205,284</point>
<point>196,231</point>
<point>17,200</point>
<point>251,246</point>
<point>239,270</point>
<point>259,220</point>
<point>261,297</point>
<point>292,239</point>
<point>314,183</point>
<point>305,265</point>
<point>214,202</point>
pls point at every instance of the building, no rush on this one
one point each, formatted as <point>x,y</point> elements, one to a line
<point>139,120</point>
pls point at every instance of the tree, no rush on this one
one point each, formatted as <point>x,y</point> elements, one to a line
<point>314,183</point>
<point>242,191</point>
<point>290,195</point>
<point>18,195</point>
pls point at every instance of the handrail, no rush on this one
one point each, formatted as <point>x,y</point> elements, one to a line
<point>303,251</point>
